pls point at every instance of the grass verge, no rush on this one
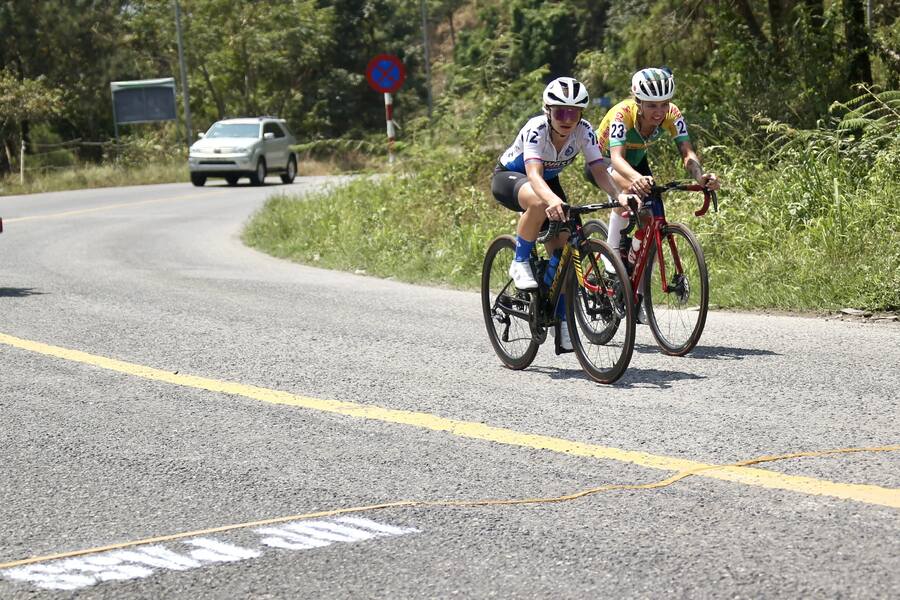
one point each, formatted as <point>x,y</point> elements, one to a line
<point>803,235</point>
<point>94,176</point>
<point>115,175</point>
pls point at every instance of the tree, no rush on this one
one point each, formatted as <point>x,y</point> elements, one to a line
<point>860,68</point>
<point>76,46</point>
<point>21,101</point>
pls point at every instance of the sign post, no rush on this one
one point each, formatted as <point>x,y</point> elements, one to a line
<point>389,117</point>
<point>386,74</point>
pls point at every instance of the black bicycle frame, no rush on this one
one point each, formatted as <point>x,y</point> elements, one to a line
<point>546,303</point>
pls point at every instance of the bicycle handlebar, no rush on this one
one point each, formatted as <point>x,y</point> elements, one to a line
<point>679,186</point>
<point>555,226</point>
<point>684,186</point>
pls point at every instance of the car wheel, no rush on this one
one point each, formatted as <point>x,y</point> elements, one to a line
<point>231,180</point>
<point>258,177</point>
<point>198,180</point>
<point>290,172</point>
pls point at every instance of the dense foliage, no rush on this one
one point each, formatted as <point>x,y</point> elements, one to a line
<point>303,60</point>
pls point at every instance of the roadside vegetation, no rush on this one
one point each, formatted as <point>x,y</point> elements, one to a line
<point>811,226</point>
<point>811,200</point>
<point>117,174</point>
<point>94,176</point>
<point>146,156</point>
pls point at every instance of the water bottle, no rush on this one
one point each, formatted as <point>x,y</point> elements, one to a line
<point>632,253</point>
<point>550,273</point>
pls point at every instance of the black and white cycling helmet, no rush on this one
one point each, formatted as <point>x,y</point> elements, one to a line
<point>653,84</point>
<point>566,91</point>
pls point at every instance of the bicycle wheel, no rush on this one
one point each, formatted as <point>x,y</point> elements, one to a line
<point>676,317</point>
<point>505,308</point>
<point>600,313</point>
<point>595,228</point>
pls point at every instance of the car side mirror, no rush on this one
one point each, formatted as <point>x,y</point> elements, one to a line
<point>201,135</point>
<point>269,136</point>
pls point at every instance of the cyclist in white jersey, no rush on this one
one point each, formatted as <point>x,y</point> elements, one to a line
<point>526,176</point>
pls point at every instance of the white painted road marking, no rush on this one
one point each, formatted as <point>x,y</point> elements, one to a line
<point>215,551</point>
<point>123,565</point>
<point>157,556</point>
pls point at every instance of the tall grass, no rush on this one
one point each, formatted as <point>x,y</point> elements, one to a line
<point>94,176</point>
<point>808,220</point>
<point>404,225</point>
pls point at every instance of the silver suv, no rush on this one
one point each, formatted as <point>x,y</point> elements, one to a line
<point>236,148</point>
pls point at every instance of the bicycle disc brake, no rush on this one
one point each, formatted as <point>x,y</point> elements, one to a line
<point>681,287</point>
<point>618,302</point>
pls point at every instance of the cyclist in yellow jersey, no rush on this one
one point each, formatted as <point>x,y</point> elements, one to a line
<point>632,126</point>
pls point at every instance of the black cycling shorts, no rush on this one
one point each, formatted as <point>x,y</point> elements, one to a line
<point>505,186</point>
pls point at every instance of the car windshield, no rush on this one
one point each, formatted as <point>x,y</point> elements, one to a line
<point>233,130</point>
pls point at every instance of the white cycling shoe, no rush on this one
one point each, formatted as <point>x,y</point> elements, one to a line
<point>522,276</point>
<point>565,342</point>
<point>608,265</point>
<point>641,314</point>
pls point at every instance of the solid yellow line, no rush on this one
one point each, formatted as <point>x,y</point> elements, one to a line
<point>870,494</point>
<point>70,213</point>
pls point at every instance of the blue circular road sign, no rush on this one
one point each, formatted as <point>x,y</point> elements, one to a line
<point>385,73</point>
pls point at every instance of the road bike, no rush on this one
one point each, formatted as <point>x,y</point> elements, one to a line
<point>669,273</point>
<point>599,304</point>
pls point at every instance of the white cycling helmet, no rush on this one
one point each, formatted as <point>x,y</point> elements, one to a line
<point>566,91</point>
<point>653,84</point>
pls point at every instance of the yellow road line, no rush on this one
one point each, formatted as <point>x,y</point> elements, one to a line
<point>70,213</point>
<point>870,494</point>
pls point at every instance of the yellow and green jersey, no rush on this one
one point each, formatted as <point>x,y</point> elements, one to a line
<point>619,128</point>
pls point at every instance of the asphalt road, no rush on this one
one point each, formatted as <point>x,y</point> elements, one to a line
<point>161,379</point>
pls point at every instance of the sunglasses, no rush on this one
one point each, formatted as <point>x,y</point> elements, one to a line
<point>565,113</point>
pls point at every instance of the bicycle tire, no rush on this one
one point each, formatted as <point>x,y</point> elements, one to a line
<point>615,311</point>
<point>605,301</point>
<point>676,322</point>
<point>596,229</point>
<point>516,351</point>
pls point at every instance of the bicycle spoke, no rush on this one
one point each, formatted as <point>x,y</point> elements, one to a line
<point>601,315</point>
<point>505,308</point>
<point>677,305</point>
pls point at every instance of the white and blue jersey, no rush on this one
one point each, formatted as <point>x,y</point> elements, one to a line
<point>533,143</point>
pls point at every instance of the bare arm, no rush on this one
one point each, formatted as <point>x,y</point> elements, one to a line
<point>640,184</point>
<point>535,171</point>
<point>607,183</point>
<point>692,165</point>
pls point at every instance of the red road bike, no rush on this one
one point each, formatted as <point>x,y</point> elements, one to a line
<point>669,273</point>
